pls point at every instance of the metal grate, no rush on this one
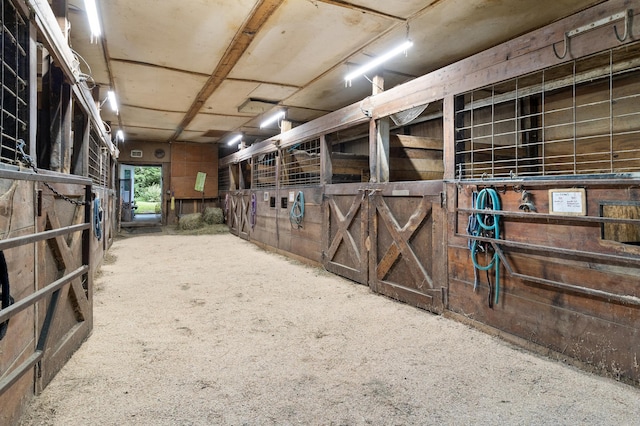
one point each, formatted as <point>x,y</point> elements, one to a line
<point>581,117</point>
<point>223,178</point>
<point>264,170</point>
<point>14,79</point>
<point>300,164</point>
<point>98,161</point>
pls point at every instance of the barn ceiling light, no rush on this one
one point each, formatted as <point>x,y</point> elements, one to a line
<point>94,20</point>
<point>113,102</point>
<point>377,61</point>
<point>235,139</point>
<point>274,118</point>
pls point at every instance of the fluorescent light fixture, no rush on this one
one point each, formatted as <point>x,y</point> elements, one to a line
<point>120,135</point>
<point>272,119</point>
<point>94,20</point>
<point>236,138</point>
<point>377,61</point>
<point>112,101</point>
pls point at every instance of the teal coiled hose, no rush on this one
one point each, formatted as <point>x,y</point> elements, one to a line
<point>297,211</point>
<point>489,225</point>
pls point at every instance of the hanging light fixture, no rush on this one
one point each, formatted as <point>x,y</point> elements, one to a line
<point>94,20</point>
<point>235,139</point>
<point>377,61</point>
<point>113,102</point>
<point>277,116</point>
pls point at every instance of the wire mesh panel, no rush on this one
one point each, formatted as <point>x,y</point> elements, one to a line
<point>300,164</point>
<point>98,161</point>
<point>264,170</point>
<point>223,178</point>
<point>14,79</point>
<point>581,117</point>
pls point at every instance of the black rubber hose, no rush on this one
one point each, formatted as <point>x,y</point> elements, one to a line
<point>7,300</point>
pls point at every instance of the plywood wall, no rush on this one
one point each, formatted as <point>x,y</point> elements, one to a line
<point>187,159</point>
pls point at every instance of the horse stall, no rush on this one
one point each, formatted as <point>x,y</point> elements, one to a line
<point>57,204</point>
<point>500,191</point>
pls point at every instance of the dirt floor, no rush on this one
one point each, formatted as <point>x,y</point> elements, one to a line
<point>210,329</point>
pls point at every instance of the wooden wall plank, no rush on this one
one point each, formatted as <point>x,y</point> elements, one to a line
<point>187,159</point>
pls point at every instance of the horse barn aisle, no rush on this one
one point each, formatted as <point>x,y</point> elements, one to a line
<point>200,330</point>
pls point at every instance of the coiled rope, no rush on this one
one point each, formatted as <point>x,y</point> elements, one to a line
<point>297,211</point>
<point>254,210</point>
<point>97,218</point>
<point>7,300</point>
<point>488,227</point>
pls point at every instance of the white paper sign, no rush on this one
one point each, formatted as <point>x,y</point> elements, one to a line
<point>567,201</point>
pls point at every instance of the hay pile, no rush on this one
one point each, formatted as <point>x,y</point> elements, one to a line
<point>211,216</point>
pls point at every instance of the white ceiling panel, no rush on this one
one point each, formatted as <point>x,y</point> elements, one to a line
<point>275,92</point>
<point>206,122</point>
<point>229,96</point>
<point>189,136</point>
<point>154,119</point>
<point>400,8</point>
<point>233,93</point>
<point>144,134</point>
<point>304,39</point>
<point>188,35</point>
<point>158,88</point>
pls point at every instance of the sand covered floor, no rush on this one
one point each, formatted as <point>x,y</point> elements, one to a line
<point>210,329</point>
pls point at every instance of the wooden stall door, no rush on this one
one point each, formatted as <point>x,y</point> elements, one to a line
<point>66,317</point>
<point>239,214</point>
<point>344,249</point>
<point>407,250</point>
<point>233,219</point>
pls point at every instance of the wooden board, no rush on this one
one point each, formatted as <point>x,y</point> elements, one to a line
<point>566,251</point>
<point>187,159</point>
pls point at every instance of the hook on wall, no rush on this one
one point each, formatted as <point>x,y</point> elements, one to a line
<point>627,27</point>
<point>626,16</point>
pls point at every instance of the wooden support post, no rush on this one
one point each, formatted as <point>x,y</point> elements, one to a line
<point>241,182</point>
<point>379,140</point>
<point>382,142</point>
<point>373,152</point>
<point>449,138</point>
<point>285,126</point>
<point>326,168</point>
<point>232,170</point>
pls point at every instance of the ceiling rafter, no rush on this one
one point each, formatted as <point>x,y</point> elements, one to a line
<point>241,41</point>
<point>162,67</point>
<point>352,6</point>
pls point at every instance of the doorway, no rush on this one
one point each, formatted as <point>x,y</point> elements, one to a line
<point>140,195</point>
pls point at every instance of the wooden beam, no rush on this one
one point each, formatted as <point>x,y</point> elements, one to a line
<point>417,142</point>
<point>366,10</point>
<point>449,143</point>
<point>326,170</point>
<point>241,41</point>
